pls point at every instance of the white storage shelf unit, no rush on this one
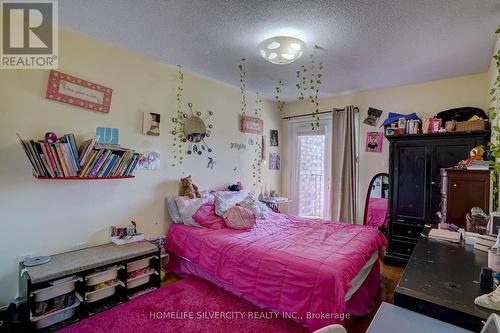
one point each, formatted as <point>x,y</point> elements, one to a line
<point>77,272</point>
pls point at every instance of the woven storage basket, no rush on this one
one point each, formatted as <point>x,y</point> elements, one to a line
<point>476,125</point>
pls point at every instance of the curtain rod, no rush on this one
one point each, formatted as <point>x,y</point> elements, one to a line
<point>312,114</point>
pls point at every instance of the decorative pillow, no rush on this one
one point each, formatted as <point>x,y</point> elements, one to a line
<point>188,207</point>
<point>206,217</point>
<point>252,204</point>
<point>239,218</point>
<point>225,200</point>
<point>173,211</point>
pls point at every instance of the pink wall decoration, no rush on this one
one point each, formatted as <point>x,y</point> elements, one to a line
<point>72,90</point>
<point>374,142</point>
<point>252,125</point>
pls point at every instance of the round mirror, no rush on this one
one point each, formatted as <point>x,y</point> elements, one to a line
<point>195,129</point>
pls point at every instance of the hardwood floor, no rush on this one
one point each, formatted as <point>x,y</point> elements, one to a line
<point>390,278</point>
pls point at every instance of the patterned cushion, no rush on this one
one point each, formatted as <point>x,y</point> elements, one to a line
<point>239,218</point>
<point>206,217</point>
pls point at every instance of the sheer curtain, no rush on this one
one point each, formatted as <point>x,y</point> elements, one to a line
<point>345,136</point>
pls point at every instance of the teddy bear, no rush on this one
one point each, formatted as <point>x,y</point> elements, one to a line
<point>189,189</point>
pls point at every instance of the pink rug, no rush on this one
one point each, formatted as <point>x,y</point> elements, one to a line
<point>189,305</point>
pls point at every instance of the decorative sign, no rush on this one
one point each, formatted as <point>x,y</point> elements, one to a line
<point>238,146</point>
<point>107,135</point>
<point>252,125</point>
<point>72,90</point>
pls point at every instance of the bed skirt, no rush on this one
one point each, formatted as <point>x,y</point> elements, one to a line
<point>361,303</point>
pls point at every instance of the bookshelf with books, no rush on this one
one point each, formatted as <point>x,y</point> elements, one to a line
<point>63,159</point>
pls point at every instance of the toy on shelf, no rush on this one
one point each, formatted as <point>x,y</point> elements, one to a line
<point>475,161</point>
<point>126,235</point>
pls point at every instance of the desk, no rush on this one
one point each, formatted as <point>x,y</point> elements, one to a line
<point>391,318</point>
<point>441,280</point>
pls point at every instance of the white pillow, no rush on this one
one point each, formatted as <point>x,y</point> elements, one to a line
<point>227,199</point>
<point>252,204</point>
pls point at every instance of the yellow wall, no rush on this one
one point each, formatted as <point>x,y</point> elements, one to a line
<point>426,99</point>
<point>46,217</point>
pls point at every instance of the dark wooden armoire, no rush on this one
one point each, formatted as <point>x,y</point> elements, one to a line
<point>414,176</point>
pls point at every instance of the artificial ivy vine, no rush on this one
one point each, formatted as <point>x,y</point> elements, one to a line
<point>495,128</point>
<point>258,158</point>
<point>178,130</point>
<point>279,101</point>
<point>243,86</point>
<point>308,83</point>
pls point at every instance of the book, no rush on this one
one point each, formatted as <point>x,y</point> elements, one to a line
<point>28,153</point>
<point>446,235</point>
<point>61,159</point>
<point>85,149</point>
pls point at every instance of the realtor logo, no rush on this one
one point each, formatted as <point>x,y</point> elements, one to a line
<point>29,38</point>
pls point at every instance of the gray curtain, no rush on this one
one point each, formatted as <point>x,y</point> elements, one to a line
<point>344,187</point>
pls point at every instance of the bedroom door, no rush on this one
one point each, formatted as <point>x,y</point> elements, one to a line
<point>310,168</point>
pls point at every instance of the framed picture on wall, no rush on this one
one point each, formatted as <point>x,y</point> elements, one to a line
<point>374,142</point>
<point>494,223</point>
<point>251,125</point>
<point>151,124</point>
<point>273,138</point>
<point>69,89</point>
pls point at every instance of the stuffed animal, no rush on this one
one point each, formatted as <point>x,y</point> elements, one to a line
<point>476,154</point>
<point>189,189</point>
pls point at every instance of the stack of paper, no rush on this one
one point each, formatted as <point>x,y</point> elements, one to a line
<point>446,235</point>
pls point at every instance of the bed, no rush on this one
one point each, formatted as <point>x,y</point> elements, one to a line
<point>311,270</point>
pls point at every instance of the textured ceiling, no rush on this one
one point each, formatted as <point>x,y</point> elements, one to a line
<point>365,44</point>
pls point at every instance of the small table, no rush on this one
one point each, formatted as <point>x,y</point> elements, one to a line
<point>441,280</point>
<point>274,203</point>
<point>391,318</point>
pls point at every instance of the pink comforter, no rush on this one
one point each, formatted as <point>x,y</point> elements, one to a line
<point>301,267</point>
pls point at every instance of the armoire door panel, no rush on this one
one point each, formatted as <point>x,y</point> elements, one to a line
<point>410,183</point>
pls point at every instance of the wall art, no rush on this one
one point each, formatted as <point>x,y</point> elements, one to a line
<point>149,161</point>
<point>253,125</point>
<point>72,90</point>
<point>374,142</point>
<point>372,117</point>
<point>273,138</point>
<point>107,135</point>
<point>274,161</point>
<point>151,124</point>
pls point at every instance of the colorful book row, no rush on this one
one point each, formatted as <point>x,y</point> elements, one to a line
<point>62,159</point>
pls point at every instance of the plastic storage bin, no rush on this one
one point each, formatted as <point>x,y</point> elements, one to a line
<point>97,295</point>
<point>109,274</point>
<point>140,280</point>
<point>138,264</point>
<point>57,316</point>
<point>57,289</point>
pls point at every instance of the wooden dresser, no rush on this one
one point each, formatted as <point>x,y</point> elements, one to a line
<point>415,162</point>
<point>460,191</point>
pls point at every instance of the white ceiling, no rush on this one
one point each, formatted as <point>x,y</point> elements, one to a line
<point>366,43</point>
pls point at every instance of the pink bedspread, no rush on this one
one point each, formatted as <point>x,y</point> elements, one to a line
<point>377,212</point>
<point>301,267</point>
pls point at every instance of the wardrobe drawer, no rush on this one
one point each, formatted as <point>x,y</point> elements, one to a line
<point>402,248</point>
<point>406,230</point>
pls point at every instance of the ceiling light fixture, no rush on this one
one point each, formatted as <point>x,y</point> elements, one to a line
<point>281,50</point>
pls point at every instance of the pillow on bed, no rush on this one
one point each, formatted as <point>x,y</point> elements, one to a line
<point>206,217</point>
<point>252,204</point>
<point>225,200</point>
<point>173,211</point>
<point>188,207</point>
<point>239,218</point>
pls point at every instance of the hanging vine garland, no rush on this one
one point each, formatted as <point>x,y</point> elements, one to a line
<point>177,132</point>
<point>279,101</point>
<point>242,69</point>
<point>495,128</point>
<point>258,158</point>
<point>308,83</point>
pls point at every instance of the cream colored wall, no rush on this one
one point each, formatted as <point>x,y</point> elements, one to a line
<point>46,217</point>
<point>426,99</point>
